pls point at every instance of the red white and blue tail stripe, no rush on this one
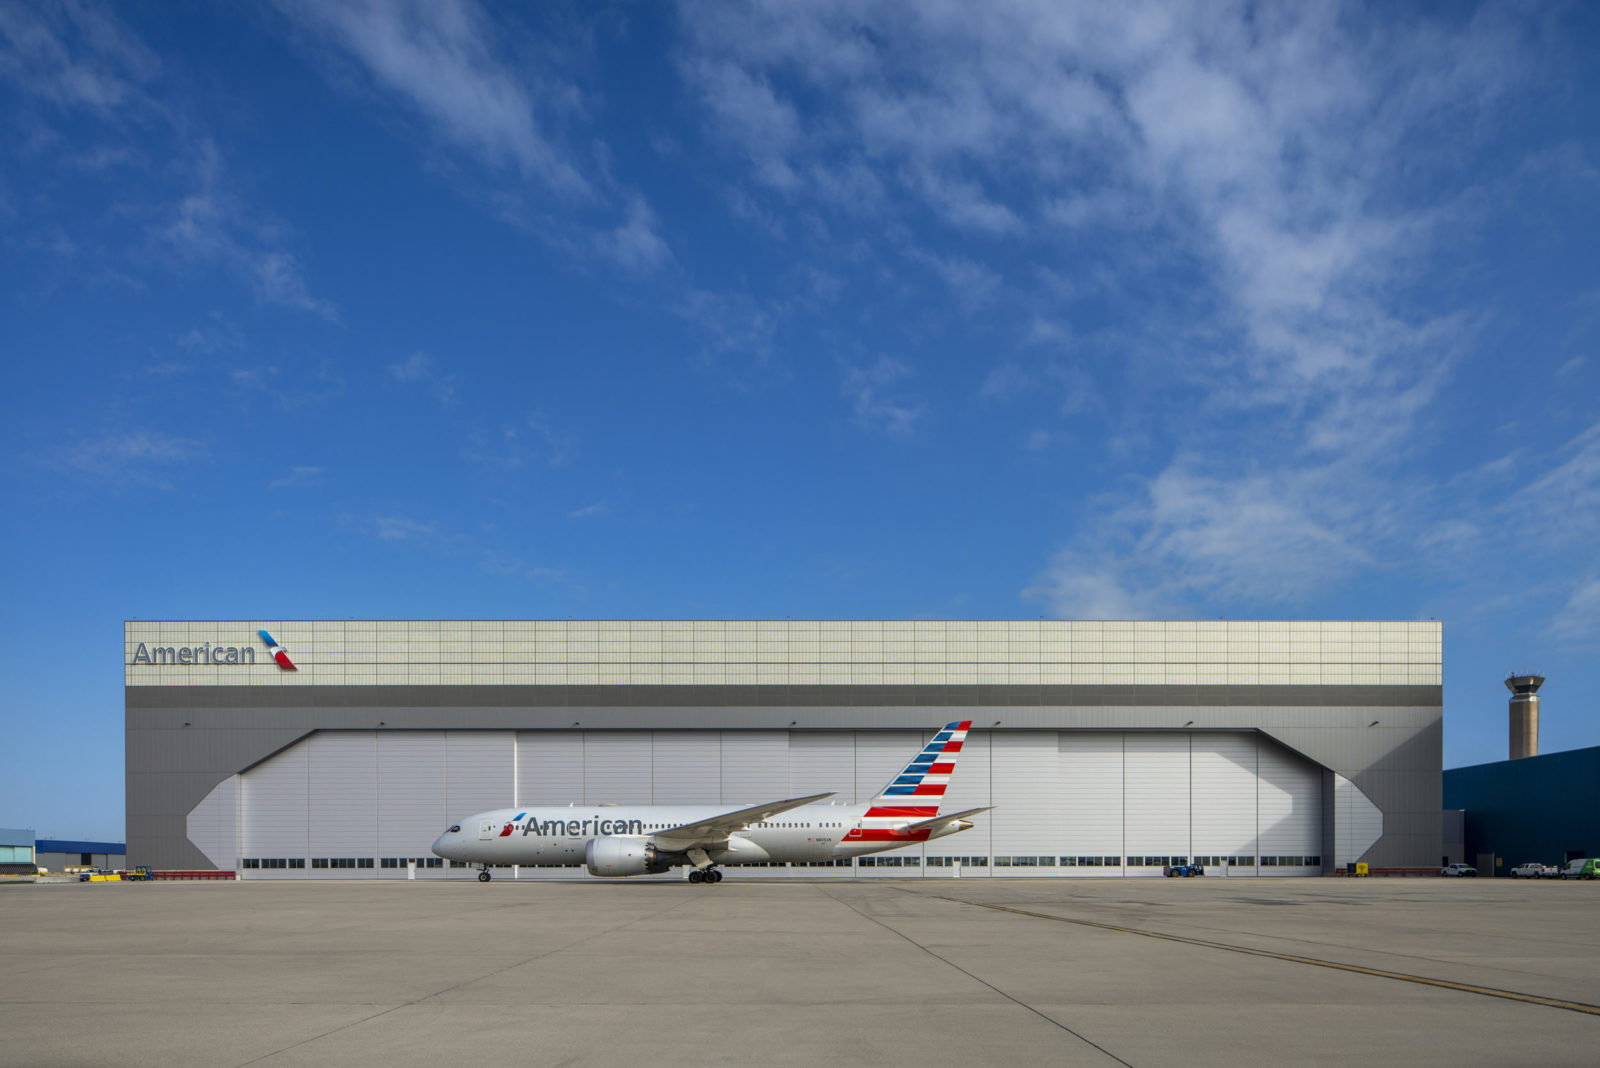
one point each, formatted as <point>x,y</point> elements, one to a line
<point>915,794</point>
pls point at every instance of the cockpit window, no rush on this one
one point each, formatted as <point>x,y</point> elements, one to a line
<point>455,828</point>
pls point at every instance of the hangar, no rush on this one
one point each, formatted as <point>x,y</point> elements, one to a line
<point>1105,748</point>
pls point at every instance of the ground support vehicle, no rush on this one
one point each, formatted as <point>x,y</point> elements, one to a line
<point>1534,870</point>
<point>1184,871</point>
<point>1582,868</point>
<point>1458,870</point>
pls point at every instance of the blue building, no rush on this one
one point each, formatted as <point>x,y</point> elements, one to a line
<point>1543,808</point>
<point>55,854</point>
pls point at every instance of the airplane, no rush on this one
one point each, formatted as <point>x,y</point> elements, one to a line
<point>616,841</point>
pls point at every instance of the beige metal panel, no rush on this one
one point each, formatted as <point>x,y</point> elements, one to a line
<point>769,652</point>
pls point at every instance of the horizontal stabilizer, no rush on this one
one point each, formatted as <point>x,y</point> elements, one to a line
<point>928,825</point>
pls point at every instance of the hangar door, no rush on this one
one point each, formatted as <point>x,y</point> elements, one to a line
<point>1063,803</point>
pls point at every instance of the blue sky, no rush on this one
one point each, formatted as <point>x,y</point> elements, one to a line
<point>870,310</point>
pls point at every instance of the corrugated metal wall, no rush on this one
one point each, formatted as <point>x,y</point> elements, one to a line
<point>1106,795</point>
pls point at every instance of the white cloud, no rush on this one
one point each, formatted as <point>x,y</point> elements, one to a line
<point>1239,178</point>
<point>402,528</point>
<point>1579,618</point>
<point>512,448</point>
<point>209,226</point>
<point>972,283</point>
<point>743,103</point>
<point>878,402</point>
<point>135,457</point>
<point>1258,141</point>
<point>75,55</point>
<point>1563,504</point>
<point>1007,381</point>
<point>299,475</point>
<point>1191,541</point>
<point>635,243</point>
<point>419,369</point>
<point>445,58</point>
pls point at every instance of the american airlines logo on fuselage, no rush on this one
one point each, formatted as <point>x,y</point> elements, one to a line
<point>578,828</point>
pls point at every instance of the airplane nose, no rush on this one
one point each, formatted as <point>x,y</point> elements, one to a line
<point>440,842</point>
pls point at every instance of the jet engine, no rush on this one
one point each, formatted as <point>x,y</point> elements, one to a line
<point>612,856</point>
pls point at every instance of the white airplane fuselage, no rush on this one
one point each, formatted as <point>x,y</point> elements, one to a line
<point>560,836</point>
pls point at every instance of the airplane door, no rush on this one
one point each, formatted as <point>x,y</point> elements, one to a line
<point>487,829</point>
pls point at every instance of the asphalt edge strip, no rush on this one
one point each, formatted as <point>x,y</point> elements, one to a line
<point>1405,977</point>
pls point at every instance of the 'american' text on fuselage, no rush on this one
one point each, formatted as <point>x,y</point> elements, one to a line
<point>581,828</point>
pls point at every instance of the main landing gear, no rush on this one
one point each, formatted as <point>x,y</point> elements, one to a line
<point>705,875</point>
<point>484,876</point>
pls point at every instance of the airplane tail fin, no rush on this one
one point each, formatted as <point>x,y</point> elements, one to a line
<point>915,794</point>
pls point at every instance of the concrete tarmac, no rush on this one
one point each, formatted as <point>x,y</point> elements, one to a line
<point>765,971</point>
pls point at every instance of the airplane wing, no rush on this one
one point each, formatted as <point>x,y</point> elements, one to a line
<point>717,828</point>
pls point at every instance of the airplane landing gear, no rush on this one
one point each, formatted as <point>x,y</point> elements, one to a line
<point>484,876</point>
<point>706,875</point>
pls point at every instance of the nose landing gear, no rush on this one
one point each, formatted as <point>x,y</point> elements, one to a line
<point>484,876</point>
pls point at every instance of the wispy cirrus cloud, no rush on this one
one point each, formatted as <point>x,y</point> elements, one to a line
<point>210,226</point>
<point>143,457</point>
<point>81,61</point>
<point>1239,183</point>
<point>536,440</point>
<point>448,63</point>
<point>880,400</point>
<point>481,86</point>
<point>1270,539</point>
<point>76,55</point>
<point>298,475</point>
<point>421,370</point>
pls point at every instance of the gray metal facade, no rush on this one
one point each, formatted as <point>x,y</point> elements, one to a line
<point>1377,730</point>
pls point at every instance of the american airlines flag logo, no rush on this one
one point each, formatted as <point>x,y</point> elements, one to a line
<point>279,653</point>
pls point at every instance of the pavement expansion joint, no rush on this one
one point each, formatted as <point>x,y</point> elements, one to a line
<point>1380,973</point>
<point>979,979</point>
